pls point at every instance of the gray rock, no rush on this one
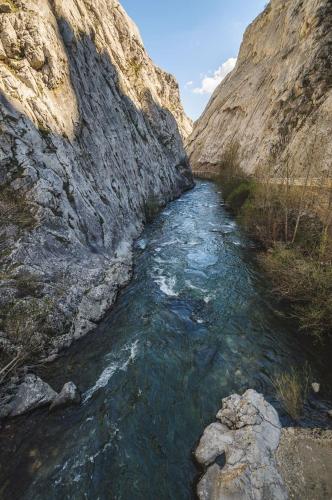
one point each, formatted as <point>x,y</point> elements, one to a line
<point>69,395</point>
<point>315,387</point>
<point>5,411</point>
<point>31,394</point>
<point>214,442</point>
<point>248,435</point>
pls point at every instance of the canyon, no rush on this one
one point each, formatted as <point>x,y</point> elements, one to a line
<point>103,230</point>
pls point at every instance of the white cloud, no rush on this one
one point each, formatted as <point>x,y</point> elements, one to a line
<point>189,84</point>
<point>210,83</point>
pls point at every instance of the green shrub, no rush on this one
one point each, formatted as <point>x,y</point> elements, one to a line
<point>240,195</point>
<point>237,186</point>
<point>151,208</point>
<point>291,223</point>
<point>27,285</point>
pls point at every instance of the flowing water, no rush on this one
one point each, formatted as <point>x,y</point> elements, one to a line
<point>195,325</point>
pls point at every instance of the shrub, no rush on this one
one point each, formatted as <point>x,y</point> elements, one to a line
<point>230,174</point>
<point>292,222</point>
<point>151,208</point>
<point>235,184</point>
<point>27,285</point>
<point>240,195</point>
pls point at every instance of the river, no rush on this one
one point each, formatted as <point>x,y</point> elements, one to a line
<point>196,324</point>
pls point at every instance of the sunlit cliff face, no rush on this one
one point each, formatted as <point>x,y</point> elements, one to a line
<point>278,98</point>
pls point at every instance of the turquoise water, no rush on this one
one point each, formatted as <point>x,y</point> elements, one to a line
<point>196,324</point>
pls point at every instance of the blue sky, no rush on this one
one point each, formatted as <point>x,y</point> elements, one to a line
<point>192,39</point>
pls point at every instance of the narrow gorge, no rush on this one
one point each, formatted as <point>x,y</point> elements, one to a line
<point>165,285</point>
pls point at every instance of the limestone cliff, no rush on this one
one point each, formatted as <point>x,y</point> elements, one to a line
<point>90,141</point>
<point>277,102</point>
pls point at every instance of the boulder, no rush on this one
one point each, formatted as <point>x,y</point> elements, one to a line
<point>248,436</point>
<point>69,395</point>
<point>31,394</point>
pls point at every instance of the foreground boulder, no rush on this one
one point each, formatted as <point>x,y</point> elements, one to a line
<point>246,436</point>
<point>33,393</point>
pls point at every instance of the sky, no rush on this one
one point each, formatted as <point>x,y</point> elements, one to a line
<point>195,40</point>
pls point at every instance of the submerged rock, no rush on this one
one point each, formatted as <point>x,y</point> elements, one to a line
<point>31,394</point>
<point>69,395</point>
<point>248,435</point>
<point>315,387</point>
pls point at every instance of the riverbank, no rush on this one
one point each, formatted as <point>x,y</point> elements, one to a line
<point>98,300</point>
<point>304,459</point>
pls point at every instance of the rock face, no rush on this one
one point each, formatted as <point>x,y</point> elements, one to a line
<point>90,139</point>
<point>277,102</point>
<point>247,434</point>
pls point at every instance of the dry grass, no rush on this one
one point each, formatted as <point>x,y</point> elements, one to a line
<point>292,390</point>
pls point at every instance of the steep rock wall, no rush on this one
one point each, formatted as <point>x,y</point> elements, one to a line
<point>90,142</point>
<point>277,102</point>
